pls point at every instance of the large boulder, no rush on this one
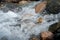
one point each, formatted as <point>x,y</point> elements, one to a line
<point>55,29</point>
<point>47,35</point>
<point>53,6</point>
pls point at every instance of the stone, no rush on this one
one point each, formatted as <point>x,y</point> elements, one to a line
<point>23,2</point>
<point>46,35</point>
<point>40,20</point>
<point>4,38</point>
<point>55,29</point>
<point>34,37</point>
<point>11,1</point>
<point>53,7</point>
<point>40,7</point>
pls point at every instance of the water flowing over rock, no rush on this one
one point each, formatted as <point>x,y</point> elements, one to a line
<point>22,24</point>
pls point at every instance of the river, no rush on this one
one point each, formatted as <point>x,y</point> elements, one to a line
<point>16,23</point>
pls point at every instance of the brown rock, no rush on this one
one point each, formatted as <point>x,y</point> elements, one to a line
<point>39,20</point>
<point>40,7</point>
<point>23,2</point>
<point>10,1</point>
<point>34,37</point>
<point>47,35</point>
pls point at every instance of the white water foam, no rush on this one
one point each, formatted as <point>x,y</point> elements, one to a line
<point>17,26</point>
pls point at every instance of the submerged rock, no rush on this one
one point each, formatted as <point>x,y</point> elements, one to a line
<point>4,38</point>
<point>39,20</point>
<point>46,35</point>
<point>11,1</point>
<point>10,6</point>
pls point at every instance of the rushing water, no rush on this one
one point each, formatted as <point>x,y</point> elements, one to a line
<point>16,23</point>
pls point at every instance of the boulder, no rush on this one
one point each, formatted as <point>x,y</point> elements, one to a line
<point>23,2</point>
<point>55,29</point>
<point>4,38</point>
<point>40,7</point>
<point>53,6</point>
<point>47,35</point>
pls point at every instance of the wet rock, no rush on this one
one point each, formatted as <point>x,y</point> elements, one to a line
<point>39,20</point>
<point>11,6</point>
<point>55,28</point>
<point>4,38</point>
<point>16,1</point>
<point>46,35</point>
<point>34,37</point>
<point>53,7</point>
<point>40,7</point>
<point>57,34</point>
<point>5,9</point>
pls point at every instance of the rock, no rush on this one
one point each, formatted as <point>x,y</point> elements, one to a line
<point>16,1</point>
<point>53,7</point>
<point>57,34</point>
<point>46,35</point>
<point>4,38</point>
<point>40,7</point>
<point>39,20</point>
<point>34,37</point>
<point>23,2</point>
<point>55,29</point>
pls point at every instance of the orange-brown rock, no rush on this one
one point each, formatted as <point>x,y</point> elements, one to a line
<point>47,35</point>
<point>23,2</point>
<point>35,39</point>
<point>40,7</point>
<point>39,20</point>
